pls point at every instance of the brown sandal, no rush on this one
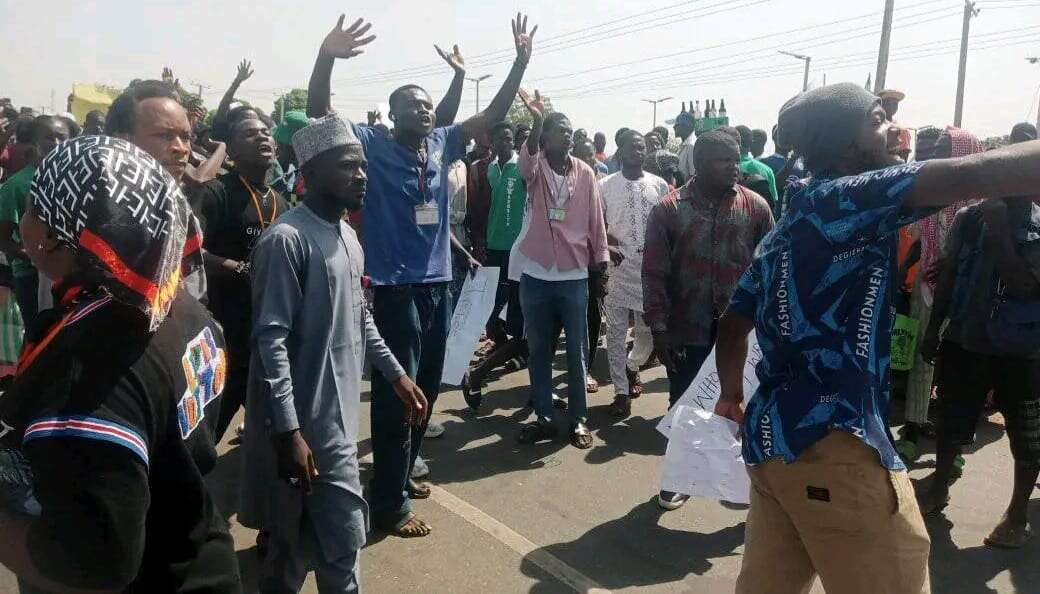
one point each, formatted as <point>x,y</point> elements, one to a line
<point>417,490</point>
<point>580,436</point>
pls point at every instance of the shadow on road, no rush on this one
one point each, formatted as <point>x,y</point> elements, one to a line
<point>634,550</point>
<point>969,570</point>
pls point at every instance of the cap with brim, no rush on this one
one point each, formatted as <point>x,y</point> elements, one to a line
<point>892,94</point>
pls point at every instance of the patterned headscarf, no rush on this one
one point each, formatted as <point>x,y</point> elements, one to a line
<point>935,228</point>
<point>114,205</point>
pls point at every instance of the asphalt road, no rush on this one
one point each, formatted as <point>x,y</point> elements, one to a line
<point>550,518</point>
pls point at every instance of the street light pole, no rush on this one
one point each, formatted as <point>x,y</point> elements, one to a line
<point>478,80</point>
<point>805,78</point>
<point>1036,60</point>
<point>655,102</point>
<point>958,109</point>
<point>886,39</point>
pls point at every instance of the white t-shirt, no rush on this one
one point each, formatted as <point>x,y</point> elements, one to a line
<point>520,264</point>
<point>627,204</point>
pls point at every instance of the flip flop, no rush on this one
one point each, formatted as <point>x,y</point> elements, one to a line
<point>417,490</point>
<point>397,528</point>
<point>1005,536</point>
<point>591,385</point>
<point>907,450</point>
<point>635,386</point>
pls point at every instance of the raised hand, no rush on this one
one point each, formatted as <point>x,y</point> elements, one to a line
<point>523,40</point>
<point>535,105</point>
<point>346,43</point>
<point>454,59</point>
<point>245,70</point>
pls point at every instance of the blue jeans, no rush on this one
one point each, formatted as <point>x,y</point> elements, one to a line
<point>547,306</point>
<point>414,322</point>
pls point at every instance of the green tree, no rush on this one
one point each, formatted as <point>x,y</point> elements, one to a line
<point>518,114</point>
<point>294,99</point>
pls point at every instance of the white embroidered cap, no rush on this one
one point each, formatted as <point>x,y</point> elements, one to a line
<point>321,135</point>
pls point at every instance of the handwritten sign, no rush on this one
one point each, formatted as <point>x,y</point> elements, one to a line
<point>476,301</point>
<point>705,389</point>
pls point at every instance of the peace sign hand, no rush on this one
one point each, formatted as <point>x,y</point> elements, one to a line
<point>454,59</point>
<point>535,105</point>
<point>346,43</point>
<point>523,40</point>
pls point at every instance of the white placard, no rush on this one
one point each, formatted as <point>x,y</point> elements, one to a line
<point>476,302</point>
<point>703,457</point>
<point>704,390</point>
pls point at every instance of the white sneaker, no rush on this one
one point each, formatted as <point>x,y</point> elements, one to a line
<point>670,501</point>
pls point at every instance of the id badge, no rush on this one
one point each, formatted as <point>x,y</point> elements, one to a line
<point>427,214</point>
<point>557,214</point>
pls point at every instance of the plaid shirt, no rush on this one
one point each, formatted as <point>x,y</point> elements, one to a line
<point>696,251</point>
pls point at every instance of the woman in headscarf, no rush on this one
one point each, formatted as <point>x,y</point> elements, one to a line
<point>954,142</point>
<point>117,387</point>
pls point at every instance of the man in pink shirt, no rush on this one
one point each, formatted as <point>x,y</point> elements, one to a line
<point>561,249</point>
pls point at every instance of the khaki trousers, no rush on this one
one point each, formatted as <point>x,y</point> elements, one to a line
<point>837,513</point>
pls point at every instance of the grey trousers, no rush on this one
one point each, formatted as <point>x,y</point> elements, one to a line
<point>286,567</point>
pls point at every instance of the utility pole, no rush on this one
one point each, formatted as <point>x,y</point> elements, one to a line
<point>478,80</point>
<point>958,110</point>
<point>1036,60</point>
<point>886,39</point>
<point>805,79</point>
<point>655,102</point>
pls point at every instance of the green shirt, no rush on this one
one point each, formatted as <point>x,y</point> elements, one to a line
<point>508,200</point>
<point>13,195</point>
<point>749,166</point>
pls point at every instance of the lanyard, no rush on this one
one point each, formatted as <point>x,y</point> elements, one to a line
<point>421,164</point>
<point>256,204</point>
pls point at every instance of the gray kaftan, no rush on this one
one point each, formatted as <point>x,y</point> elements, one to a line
<point>311,333</point>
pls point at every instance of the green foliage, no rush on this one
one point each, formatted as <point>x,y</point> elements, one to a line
<point>518,114</point>
<point>995,142</point>
<point>295,99</point>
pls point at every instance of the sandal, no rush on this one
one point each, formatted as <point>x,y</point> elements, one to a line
<point>907,450</point>
<point>537,431</point>
<point>1006,536</point>
<point>635,386</point>
<point>591,385</point>
<point>621,407</point>
<point>417,490</point>
<point>580,436</point>
<point>958,468</point>
<point>409,526</point>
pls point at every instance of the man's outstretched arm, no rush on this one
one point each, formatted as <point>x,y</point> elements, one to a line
<point>498,108</point>
<point>448,108</point>
<point>339,43</point>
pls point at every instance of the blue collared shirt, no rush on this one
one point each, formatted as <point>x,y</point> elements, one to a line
<point>819,291</point>
<point>399,251</point>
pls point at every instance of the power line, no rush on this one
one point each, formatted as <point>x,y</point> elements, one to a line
<point>842,61</point>
<point>548,48</point>
<point>753,55</point>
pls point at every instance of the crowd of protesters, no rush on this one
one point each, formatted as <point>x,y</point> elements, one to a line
<point>168,272</point>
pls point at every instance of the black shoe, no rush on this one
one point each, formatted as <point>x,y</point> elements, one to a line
<point>473,396</point>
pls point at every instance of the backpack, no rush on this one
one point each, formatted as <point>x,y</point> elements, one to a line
<point>1013,324</point>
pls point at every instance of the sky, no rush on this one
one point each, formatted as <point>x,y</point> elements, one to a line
<point>596,61</point>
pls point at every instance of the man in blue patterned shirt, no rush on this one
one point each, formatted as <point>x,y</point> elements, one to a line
<point>829,494</point>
